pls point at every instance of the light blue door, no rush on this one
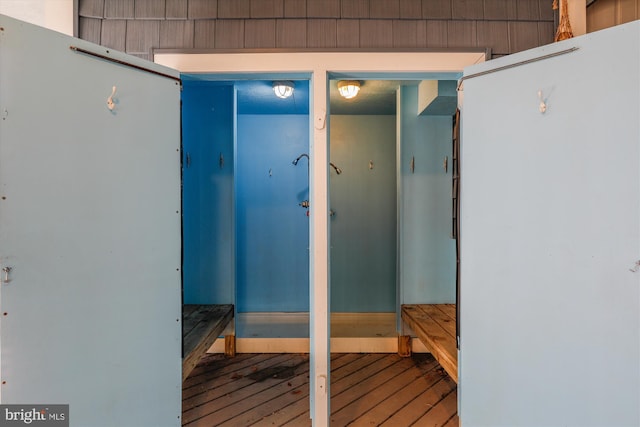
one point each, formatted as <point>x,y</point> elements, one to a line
<point>550,236</point>
<point>90,229</point>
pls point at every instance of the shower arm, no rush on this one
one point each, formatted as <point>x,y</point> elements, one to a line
<point>295,163</point>
<point>337,169</point>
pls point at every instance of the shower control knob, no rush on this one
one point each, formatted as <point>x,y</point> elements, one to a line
<point>304,204</point>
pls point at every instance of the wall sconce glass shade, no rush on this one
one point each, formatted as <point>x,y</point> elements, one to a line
<point>348,88</point>
<point>283,89</point>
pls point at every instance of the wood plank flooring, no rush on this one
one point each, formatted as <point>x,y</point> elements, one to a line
<point>435,325</point>
<point>273,390</point>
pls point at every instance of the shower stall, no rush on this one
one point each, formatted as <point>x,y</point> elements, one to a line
<point>246,164</point>
<point>246,231</point>
<point>391,241</point>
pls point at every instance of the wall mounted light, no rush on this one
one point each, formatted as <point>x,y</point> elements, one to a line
<point>348,88</point>
<point>283,89</point>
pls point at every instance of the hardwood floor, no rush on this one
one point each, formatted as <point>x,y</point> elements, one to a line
<point>273,390</point>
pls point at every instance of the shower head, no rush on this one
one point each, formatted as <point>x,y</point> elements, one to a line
<point>295,162</point>
<point>337,169</point>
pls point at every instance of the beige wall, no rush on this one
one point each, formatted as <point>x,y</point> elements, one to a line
<point>607,13</point>
<point>56,15</point>
<point>577,16</point>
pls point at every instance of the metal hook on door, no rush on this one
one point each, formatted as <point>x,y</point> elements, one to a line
<point>6,271</point>
<point>110,103</point>
<point>543,102</point>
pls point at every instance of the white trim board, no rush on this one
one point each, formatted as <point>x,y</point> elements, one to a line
<point>301,345</point>
<point>331,62</point>
<point>289,333</point>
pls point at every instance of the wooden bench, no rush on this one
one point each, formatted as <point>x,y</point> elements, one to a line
<point>201,326</point>
<point>435,326</point>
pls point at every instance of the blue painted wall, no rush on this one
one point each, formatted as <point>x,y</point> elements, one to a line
<point>272,230</point>
<point>258,238</point>
<point>208,214</point>
<point>363,229</point>
<point>428,259</point>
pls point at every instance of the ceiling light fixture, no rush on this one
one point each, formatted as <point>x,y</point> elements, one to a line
<point>348,88</point>
<point>283,89</point>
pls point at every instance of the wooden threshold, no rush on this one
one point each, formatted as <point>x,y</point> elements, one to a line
<point>201,326</point>
<point>435,326</point>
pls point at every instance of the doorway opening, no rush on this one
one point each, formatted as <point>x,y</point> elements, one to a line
<point>245,242</point>
<point>391,208</point>
<point>413,65</point>
<point>246,198</point>
<point>392,247</point>
<point>363,215</point>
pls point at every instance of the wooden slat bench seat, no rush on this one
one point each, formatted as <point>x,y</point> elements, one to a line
<point>201,326</point>
<point>435,326</point>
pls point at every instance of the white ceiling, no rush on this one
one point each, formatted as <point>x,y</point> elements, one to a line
<point>375,97</point>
